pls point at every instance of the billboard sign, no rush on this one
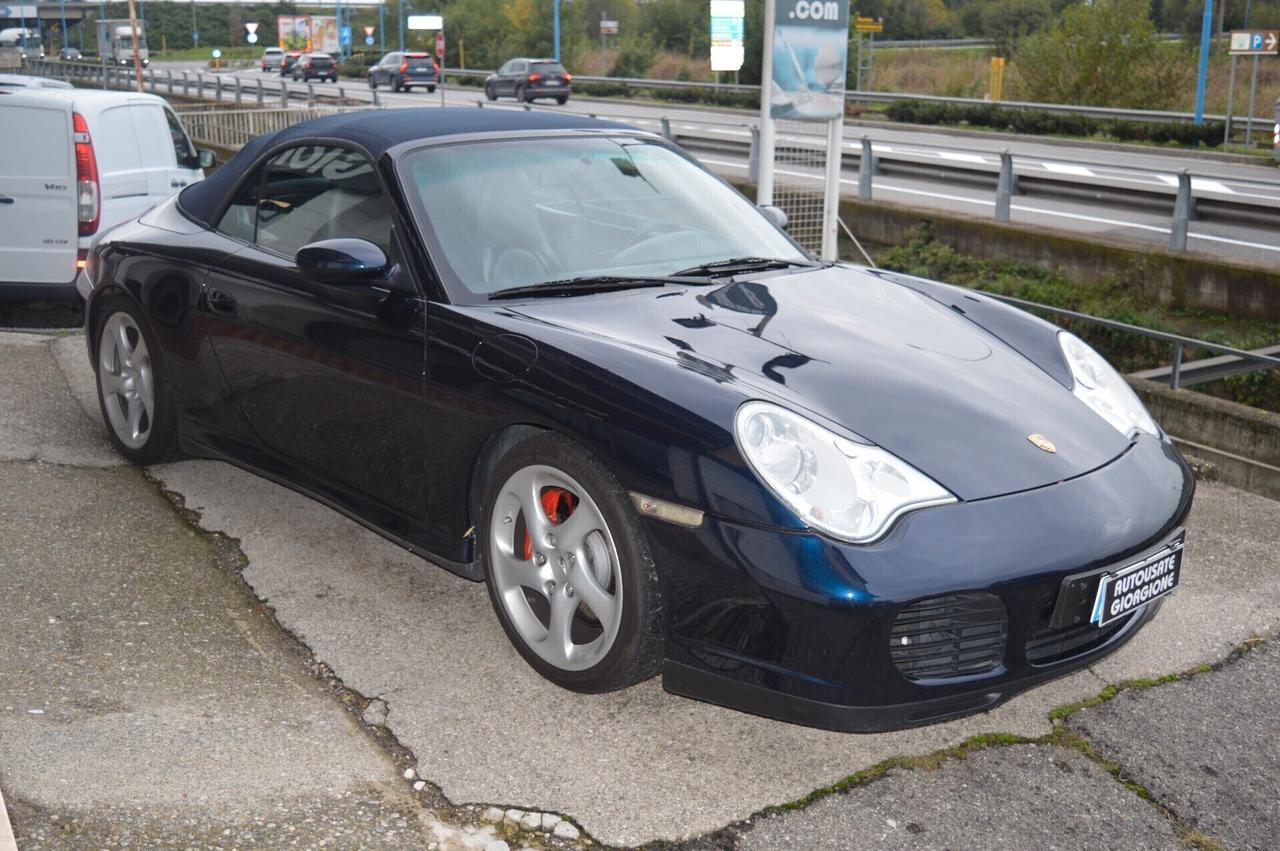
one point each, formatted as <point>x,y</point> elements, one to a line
<point>810,53</point>
<point>728,27</point>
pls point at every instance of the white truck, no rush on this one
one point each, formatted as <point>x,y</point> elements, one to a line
<point>115,41</point>
<point>27,43</point>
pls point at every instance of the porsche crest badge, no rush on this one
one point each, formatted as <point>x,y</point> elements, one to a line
<point>1042,442</point>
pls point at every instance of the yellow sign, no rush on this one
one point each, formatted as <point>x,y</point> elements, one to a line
<point>868,25</point>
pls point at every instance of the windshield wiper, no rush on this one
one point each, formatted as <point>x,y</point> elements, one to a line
<point>744,264</point>
<point>590,284</point>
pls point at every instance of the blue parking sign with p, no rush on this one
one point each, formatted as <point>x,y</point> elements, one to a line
<point>1257,41</point>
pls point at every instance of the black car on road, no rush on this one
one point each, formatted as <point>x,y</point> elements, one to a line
<point>528,79</point>
<point>401,71</point>
<point>287,61</point>
<point>315,66</point>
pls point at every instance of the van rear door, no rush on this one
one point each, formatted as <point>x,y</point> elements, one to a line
<point>38,224</point>
<point>121,171</point>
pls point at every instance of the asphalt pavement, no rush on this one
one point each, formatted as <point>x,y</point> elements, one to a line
<point>169,676</point>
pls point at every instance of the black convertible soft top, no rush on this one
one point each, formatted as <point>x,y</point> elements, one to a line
<point>376,131</point>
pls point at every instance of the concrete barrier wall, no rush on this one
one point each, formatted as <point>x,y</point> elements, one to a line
<point>1179,280</point>
<point>1243,443</point>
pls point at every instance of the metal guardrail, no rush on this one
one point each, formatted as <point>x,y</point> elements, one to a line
<point>233,128</point>
<point>865,97</point>
<point>871,157</point>
<point>1179,342</point>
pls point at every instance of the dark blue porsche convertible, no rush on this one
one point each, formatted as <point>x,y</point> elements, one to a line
<point>558,356</point>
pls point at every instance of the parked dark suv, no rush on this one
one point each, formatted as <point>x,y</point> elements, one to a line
<point>526,79</point>
<point>402,71</point>
<point>315,66</point>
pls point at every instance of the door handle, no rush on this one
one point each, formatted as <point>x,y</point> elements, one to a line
<point>221,302</point>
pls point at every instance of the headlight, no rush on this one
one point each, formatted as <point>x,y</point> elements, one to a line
<point>851,491</point>
<point>1099,386</point>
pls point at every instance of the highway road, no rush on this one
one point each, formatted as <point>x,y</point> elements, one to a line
<point>1109,194</point>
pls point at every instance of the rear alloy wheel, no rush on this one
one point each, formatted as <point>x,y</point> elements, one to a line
<point>132,385</point>
<point>568,568</point>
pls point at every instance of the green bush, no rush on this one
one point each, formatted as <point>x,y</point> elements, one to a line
<point>1043,122</point>
<point>353,69</point>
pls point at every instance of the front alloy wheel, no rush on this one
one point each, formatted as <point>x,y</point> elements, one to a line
<point>569,572</point>
<point>126,380</point>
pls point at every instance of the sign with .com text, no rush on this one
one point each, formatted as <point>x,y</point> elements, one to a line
<point>810,53</point>
<point>728,28</point>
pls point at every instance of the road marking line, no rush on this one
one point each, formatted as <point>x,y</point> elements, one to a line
<point>1067,168</point>
<point>1199,184</point>
<point>7,842</point>
<point>1021,208</point>
<point>964,158</point>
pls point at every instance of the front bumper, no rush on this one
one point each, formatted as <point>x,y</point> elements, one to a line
<point>798,627</point>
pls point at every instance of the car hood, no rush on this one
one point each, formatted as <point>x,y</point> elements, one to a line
<point>876,357</point>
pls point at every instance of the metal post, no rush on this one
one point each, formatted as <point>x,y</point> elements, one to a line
<point>603,70</point>
<point>217,88</point>
<point>666,129</point>
<point>1182,212</point>
<point>186,84</point>
<point>284,93</point>
<point>62,7</point>
<point>1206,30</point>
<point>199,84</point>
<point>377,103</point>
<point>169,74</point>
<point>400,4</point>
<point>753,158</point>
<point>259,82</point>
<point>866,169</point>
<point>555,31</point>
<point>1005,187</point>
<point>382,27</point>
<point>239,90</point>
<point>195,33</point>
<point>764,187</point>
<point>311,94</point>
<point>1253,91</point>
<point>831,190</point>
<point>1175,371</point>
<point>1231,100</point>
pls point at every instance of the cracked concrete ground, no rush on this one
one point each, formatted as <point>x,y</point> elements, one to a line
<point>642,764</point>
<point>146,699</point>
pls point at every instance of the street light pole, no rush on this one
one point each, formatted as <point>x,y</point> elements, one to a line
<point>555,30</point>
<point>402,26</point>
<point>1206,30</point>
<point>62,7</point>
<point>195,33</point>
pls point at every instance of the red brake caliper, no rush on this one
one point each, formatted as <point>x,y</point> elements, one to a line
<point>557,504</point>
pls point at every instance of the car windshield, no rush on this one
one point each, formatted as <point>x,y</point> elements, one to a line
<point>518,213</point>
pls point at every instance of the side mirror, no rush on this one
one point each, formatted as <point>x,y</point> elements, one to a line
<point>774,214</point>
<point>206,158</point>
<point>342,261</point>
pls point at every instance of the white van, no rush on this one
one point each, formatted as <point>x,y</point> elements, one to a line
<point>73,164</point>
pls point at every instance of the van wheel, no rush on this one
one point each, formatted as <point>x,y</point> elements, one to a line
<point>133,384</point>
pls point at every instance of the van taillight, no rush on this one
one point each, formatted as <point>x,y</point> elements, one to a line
<point>404,67</point>
<point>567,76</point>
<point>88,206</point>
<point>533,78</point>
<point>436,66</point>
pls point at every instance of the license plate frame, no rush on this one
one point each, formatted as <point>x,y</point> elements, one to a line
<point>1128,589</point>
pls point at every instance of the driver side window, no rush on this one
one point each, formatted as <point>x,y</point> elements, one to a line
<point>309,193</point>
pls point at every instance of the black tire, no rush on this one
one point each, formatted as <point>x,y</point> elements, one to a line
<point>562,99</point>
<point>521,95</point>
<point>162,442</point>
<point>637,650</point>
<point>431,90</point>
<point>489,92</point>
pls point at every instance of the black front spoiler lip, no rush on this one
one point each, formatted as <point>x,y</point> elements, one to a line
<point>711,687</point>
